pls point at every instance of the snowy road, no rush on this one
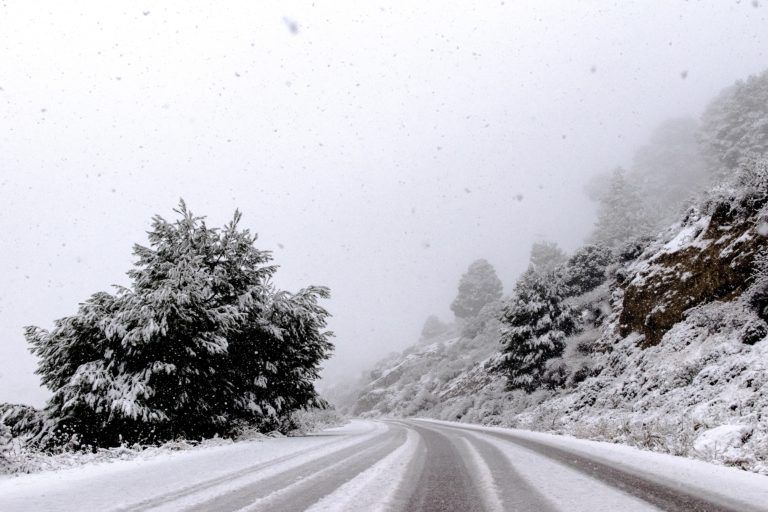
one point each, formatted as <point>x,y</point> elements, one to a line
<point>397,465</point>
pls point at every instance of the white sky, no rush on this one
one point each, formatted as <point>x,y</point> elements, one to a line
<point>381,146</point>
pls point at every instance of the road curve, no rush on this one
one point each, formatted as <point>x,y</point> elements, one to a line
<point>640,491</point>
<point>454,468</point>
<point>389,466</point>
<point>445,482</point>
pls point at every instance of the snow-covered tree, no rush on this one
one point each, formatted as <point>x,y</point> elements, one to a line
<point>621,215</point>
<point>24,421</point>
<point>666,174</point>
<point>275,357</point>
<point>477,287</point>
<point>546,256</point>
<point>585,270</point>
<point>486,319</point>
<point>188,350</point>
<point>734,127</point>
<point>535,323</point>
<point>669,170</point>
<point>5,443</point>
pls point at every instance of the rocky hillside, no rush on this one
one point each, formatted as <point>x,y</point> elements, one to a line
<point>673,357</point>
<point>710,258</point>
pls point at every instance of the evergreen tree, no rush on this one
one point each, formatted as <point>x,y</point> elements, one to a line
<point>585,270</point>
<point>184,350</point>
<point>669,170</point>
<point>621,214</point>
<point>6,448</point>
<point>5,441</point>
<point>275,358</point>
<point>734,127</point>
<point>485,320</point>
<point>535,323</point>
<point>477,287</point>
<point>546,256</point>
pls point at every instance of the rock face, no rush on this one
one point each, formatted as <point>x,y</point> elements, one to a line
<point>712,258</point>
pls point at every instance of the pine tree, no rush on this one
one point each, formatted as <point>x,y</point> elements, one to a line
<point>621,214</point>
<point>585,270</point>
<point>546,256</point>
<point>5,441</point>
<point>485,320</point>
<point>535,323</point>
<point>477,287</point>
<point>163,358</point>
<point>275,357</point>
<point>734,127</point>
<point>669,170</point>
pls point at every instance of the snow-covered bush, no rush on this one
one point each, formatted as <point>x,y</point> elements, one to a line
<point>757,295</point>
<point>314,419</point>
<point>23,421</point>
<point>423,400</point>
<point>743,192</point>
<point>200,341</point>
<point>555,373</point>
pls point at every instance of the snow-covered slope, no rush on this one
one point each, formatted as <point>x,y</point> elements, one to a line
<point>444,367</point>
<point>679,364</point>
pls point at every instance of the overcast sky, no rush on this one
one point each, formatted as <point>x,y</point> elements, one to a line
<point>377,148</point>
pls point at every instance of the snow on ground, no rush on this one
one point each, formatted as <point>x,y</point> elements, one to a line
<point>484,478</point>
<point>724,437</point>
<point>688,235</point>
<point>575,490</point>
<point>118,484</point>
<point>177,481</point>
<point>665,398</point>
<point>690,473</point>
<point>373,489</point>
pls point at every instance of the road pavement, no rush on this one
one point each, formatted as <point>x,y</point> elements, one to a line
<point>399,466</point>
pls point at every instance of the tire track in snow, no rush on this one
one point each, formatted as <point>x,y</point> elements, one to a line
<point>483,477</point>
<point>374,490</point>
<point>502,487</point>
<point>445,482</point>
<point>531,482</point>
<point>166,499</point>
<point>513,491</point>
<point>655,492</point>
<point>303,486</point>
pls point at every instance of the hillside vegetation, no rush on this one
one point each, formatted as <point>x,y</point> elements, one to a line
<point>652,334</point>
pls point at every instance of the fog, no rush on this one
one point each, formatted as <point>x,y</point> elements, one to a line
<point>376,149</point>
